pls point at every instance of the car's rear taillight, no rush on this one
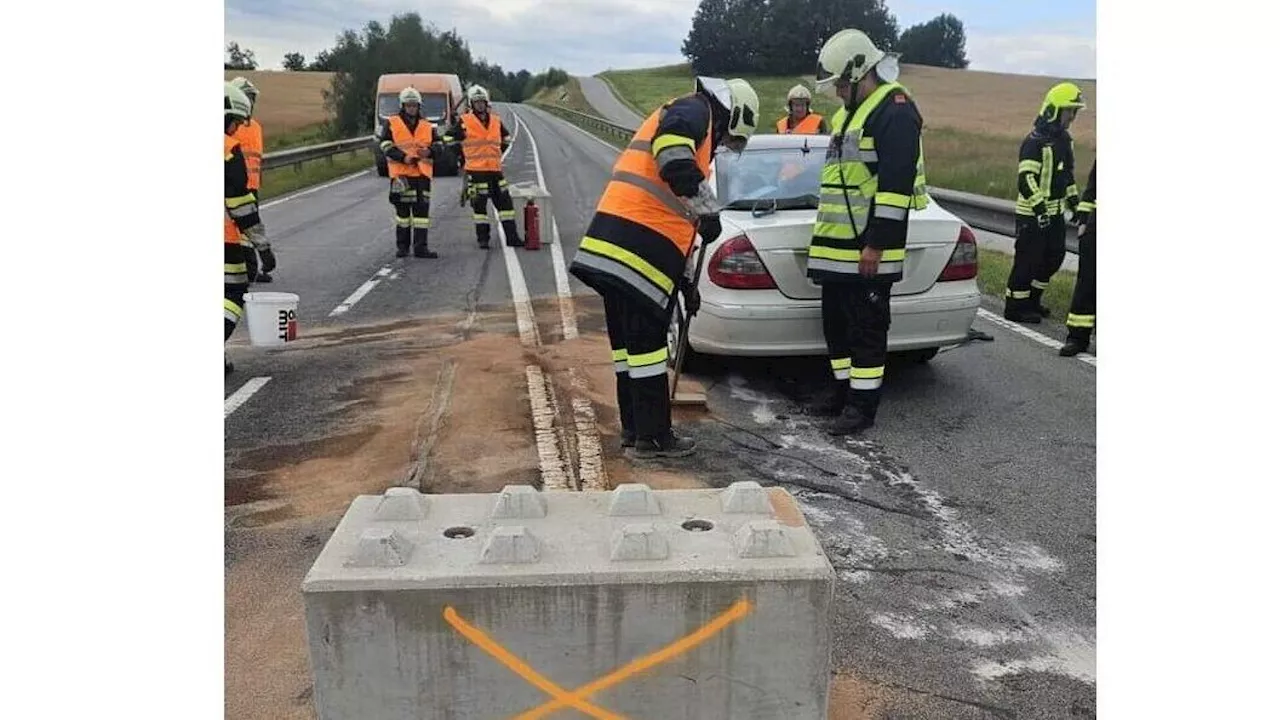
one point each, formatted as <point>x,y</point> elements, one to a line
<point>736,265</point>
<point>964,259</point>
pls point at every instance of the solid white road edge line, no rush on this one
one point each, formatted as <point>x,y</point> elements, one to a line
<point>1045,340</point>
<point>590,453</point>
<point>310,190</point>
<point>241,396</point>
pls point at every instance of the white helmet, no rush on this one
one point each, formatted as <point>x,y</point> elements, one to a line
<point>799,92</point>
<point>477,93</point>
<point>247,87</point>
<point>848,55</point>
<point>410,95</point>
<point>235,102</point>
<point>746,108</point>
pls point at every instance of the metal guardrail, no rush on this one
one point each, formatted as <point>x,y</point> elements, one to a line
<point>979,211</point>
<point>297,156</point>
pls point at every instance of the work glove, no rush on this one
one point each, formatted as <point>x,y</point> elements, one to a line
<point>683,176</point>
<point>399,186</point>
<point>692,298</point>
<point>268,259</point>
<point>709,227</point>
<point>1042,221</point>
<point>257,237</point>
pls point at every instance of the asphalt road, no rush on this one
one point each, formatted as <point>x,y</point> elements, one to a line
<point>962,529</point>
<point>600,97</point>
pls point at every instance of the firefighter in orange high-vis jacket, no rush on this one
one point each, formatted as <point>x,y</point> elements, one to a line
<point>409,143</point>
<point>242,230</point>
<point>484,139</point>
<point>250,137</point>
<point>799,120</point>
<point>637,246</point>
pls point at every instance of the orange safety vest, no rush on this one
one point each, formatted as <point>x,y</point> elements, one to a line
<point>482,145</point>
<point>250,137</point>
<point>810,125</point>
<point>230,233</point>
<point>410,142</point>
<point>642,232</point>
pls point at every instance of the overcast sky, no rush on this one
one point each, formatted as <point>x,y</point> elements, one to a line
<point>587,36</point>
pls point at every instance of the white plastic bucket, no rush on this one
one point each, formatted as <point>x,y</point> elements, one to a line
<point>273,318</point>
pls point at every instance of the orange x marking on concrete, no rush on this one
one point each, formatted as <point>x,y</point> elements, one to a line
<point>577,699</point>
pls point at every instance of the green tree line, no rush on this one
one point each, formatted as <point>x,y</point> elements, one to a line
<point>782,37</point>
<point>405,44</point>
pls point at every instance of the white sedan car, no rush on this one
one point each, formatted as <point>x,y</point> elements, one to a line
<point>756,298</point>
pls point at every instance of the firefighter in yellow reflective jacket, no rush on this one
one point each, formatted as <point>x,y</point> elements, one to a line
<point>874,175</point>
<point>242,230</point>
<point>1081,317</point>
<point>637,246</point>
<point>1046,188</point>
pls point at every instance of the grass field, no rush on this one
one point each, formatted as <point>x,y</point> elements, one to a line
<point>974,120</point>
<point>287,101</point>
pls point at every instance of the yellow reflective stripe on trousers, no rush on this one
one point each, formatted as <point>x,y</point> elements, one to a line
<point>861,378</point>
<point>1017,294</point>
<point>1039,284</point>
<point>648,364</point>
<point>620,360</point>
<point>840,368</point>
<point>1080,321</point>
<point>418,222</point>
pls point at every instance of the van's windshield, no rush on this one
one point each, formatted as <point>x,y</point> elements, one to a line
<point>434,105</point>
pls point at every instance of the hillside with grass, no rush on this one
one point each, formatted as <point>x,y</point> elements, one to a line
<point>974,120</point>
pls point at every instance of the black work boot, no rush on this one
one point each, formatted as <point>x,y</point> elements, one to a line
<point>513,236</point>
<point>402,242</point>
<point>851,422</point>
<point>482,237</point>
<point>667,445</point>
<point>1074,346</point>
<point>830,400</point>
<point>1019,312</point>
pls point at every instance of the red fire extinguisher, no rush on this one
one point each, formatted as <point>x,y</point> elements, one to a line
<point>532,231</point>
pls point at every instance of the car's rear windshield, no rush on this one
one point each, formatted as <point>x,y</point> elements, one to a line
<point>433,106</point>
<point>791,176</point>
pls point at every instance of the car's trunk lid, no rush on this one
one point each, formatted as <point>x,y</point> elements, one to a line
<point>782,241</point>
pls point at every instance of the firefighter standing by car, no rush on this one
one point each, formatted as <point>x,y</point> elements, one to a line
<point>639,243</point>
<point>251,143</point>
<point>484,139</point>
<point>242,229</point>
<point>1082,315</point>
<point>874,174</point>
<point>408,141</point>
<point>798,120</point>
<point>1046,188</point>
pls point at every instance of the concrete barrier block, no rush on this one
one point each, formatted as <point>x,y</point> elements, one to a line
<point>640,541</point>
<point>634,499</point>
<point>746,497</point>
<point>514,544</point>
<point>401,504</point>
<point>447,616</point>
<point>520,501</point>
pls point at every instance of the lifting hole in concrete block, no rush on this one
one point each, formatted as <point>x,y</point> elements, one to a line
<point>459,532</point>
<point>696,525</point>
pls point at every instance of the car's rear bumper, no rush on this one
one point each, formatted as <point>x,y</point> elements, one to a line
<point>941,316</point>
